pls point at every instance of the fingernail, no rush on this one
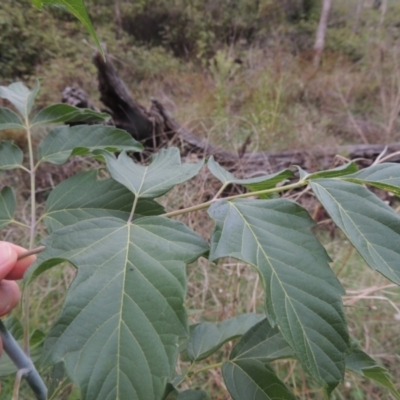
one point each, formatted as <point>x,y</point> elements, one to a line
<point>5,253</point>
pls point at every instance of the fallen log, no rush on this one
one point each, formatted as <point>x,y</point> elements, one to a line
<point>155,128</point>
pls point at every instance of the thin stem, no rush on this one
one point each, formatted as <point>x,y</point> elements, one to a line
<point>33,187</point>
<point>220,191</point>
<point>239,196</point>
<point>32,234</point>
<point>133,209</point>
<point>213,366</point>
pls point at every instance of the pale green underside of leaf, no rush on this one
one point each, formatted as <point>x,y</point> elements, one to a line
<point>251,379</point>
<point>206,338</point>
<point>119,328</point>
<point>65,113</point>
<point>64,142</point>
<point>8,205</point>
<point>371,226</point>
<point>302,293</point>
<point>84,197</point>
<point>164,172</point>
<point>362,364</point>
<point>11,156</point>
<point>20,96</point>
<point>9,119</point>
<point>14,327</point>
<point>343,170</point>
<point>253,184</point>
<point>384,176</point>
<point>76,8</point>
<point>263,343</point>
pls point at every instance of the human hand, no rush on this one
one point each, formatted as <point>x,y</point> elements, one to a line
<point>10,269</point>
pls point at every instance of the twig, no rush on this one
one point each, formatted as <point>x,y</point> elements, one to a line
<point>31,252</point>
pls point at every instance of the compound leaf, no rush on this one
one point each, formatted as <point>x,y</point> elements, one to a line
<point>84,197</point>
<point>302,293</point>
<point>119,329</point>
<point>20,96</point>
<point>253,184</point>
<point>206,338</point>
<point>9,119</point>
<point>251,379</point>
<point>8,205</point>
<point>362,364</point>
<point>164,172</point>
<point>76,8</point>
<point>11,156</point>
<point>64,142</point>
<point>384,176</point>
<point>65,113</point>
<point>263,343</point>
<point>371,225</point>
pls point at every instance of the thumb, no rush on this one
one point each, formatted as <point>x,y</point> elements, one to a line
<point>8,258</point>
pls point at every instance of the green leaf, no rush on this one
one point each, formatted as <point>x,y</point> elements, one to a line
<point>65,113</point>
<point>343,170</point>
<point>384,176</point>
<point>76,8</point>
<point>119,328</point>
<point>64,142</point>
<point>164,172</point>
<point>84,197</point>
<point>11,156</point>
<point>253,184</point>
<point>14,326</point>
<point>207,338</point>
<point>252,379</point>
<point>9,120</point>
<point>302,293</point>
<point>20,96</point>
<point>263,343</point>
<point>362,364</point>
<point>371,226</point>
<point>8,204</point>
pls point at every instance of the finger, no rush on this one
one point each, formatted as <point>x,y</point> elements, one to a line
<point>8,258</point>
<point>21,265</point>
<point>10,295</point>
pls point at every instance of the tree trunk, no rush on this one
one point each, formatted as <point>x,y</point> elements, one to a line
<point>321,31</point>
<point>358,15</point>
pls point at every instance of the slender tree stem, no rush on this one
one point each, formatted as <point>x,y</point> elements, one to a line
<point>32,235</point>
<point>33,187</point>
<point>239,196</point>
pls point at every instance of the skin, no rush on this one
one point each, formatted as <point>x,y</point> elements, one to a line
<point>10,270</point>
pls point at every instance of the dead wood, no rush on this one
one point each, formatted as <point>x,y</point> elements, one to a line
<point>155,127</point>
